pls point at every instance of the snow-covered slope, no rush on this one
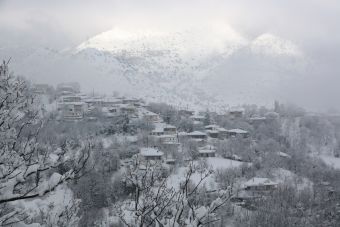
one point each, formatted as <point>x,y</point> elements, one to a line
<point>205,67</point>
<point>197,67</point>
<point>268,44</point>
<point>162,66</point>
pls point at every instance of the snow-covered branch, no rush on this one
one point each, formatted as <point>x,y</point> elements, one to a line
<point>29,169</point>
<point>155,201</point>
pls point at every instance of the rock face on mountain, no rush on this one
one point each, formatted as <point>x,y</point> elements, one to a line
<point>207,67</point>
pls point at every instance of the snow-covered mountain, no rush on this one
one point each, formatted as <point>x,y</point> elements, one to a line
<point>206,67</point>
<point>195,66</point>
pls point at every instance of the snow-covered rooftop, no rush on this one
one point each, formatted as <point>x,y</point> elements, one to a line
<point>212,131</point>
<point>212,126</point>
<point>197,133</point>
<point>72,103</point>
<point>71,96</point>
<point>237,130</point>
<point>126,106</point>
<point>206,151</point>
<point>222,129</point>
<point>208,146</point>
<point>111,99</point>
<point>167,136</point>
<point>257,118</point>
<point>158,130</point>
<point>149,151</point>
<point>285,155</point>
<point>159,127</point>
<point>169,126</point>
<point>259,181</point>
<point>145,112</point>
<point>197,117</point>
<point>149,113</point>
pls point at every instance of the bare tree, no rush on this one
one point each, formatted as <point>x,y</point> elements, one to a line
<point>27,169</point>
<point>156,203</point>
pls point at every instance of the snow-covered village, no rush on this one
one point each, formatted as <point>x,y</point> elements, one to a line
<point>169,113</point>
<point>98,160</point>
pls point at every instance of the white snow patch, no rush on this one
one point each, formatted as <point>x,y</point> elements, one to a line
<point>287,177</point>
<point>177,178</point>
<point>51,205</point>
<point>221,163</point>
<point>331,161</point>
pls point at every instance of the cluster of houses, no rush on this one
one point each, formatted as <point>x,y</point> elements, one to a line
<point>250,190</point>
<point>214,132</point>
<point>73,105</point>
<point>168,136</point>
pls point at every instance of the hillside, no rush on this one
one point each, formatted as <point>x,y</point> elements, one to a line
<point>183,68</point>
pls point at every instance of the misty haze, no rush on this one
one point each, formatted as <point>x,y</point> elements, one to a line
<point>169,113</point>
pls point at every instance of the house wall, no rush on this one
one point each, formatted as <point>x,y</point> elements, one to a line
<point>214,135</point>
<point>198,136</point>
<point>149,158</point>
<point>170,131</point>
<point>261,188</point>
<point>206,155</point>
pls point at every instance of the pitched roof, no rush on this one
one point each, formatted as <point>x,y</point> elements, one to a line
<point>206,151</point>
<point>285,155</point>
<point>222,129</point>
<point>149,151</point>
<point>212,131</point>
<point>237,130</point>
<point>212,126</point>
<point>197,133</point>
<point>169,126</point>
<point>259,181</point>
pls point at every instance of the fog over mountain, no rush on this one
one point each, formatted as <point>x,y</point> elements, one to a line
<point>230,51</point>
<point>169,113</point>
<point>188,67</point>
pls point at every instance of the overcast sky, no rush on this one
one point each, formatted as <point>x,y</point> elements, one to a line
<point>68,22</point>
<point>311,24</point>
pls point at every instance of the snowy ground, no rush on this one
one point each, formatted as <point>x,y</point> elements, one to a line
<point>178,177</point>
<point>331,161</point>
<point>215,163</point>
<point>221,163</point>
<point>284,176</point>
<point>108,141</point>
<point>50,206</point>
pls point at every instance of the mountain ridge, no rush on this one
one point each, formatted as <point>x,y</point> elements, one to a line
<point>174,67</point>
